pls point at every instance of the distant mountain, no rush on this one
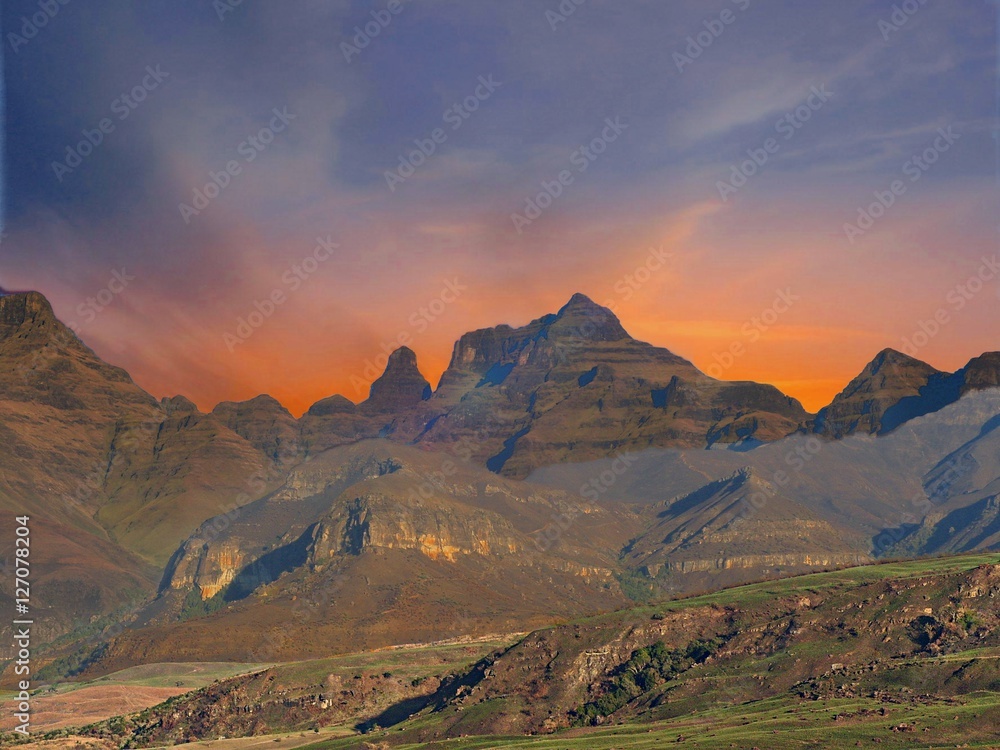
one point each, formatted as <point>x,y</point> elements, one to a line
<point>962,512</point>
<point>722,517</point>
<point>895,388</point>
<point>575,384</point>
<point>861,407</point>
<point>740,527</point>
<point>265,424</point>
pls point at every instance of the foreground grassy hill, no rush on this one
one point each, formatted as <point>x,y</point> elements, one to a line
<point>899,655</point>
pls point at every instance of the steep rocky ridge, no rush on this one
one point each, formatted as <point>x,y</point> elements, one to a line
<point>111,479</point>
<point>891,377</point>
<point>574,383</point>
<point>892,655</point>
<point>895,388</point>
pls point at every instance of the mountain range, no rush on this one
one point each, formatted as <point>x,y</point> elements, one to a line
<point>558,469</point>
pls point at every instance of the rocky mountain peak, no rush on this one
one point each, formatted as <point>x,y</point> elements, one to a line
<point>332,405</point>
<point>886,381</point>
<point>401,384</point>
<point>583,318</point>
<point>264,423</point>
<point>262,403</point>
<point>31,309</point>
<point>889,361</point>
<point>178,405</point>
<point>981,373</point>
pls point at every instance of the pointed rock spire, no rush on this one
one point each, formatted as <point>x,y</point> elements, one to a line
<point>401,384</point>
<point>886,381</point>
<point>585,319</point>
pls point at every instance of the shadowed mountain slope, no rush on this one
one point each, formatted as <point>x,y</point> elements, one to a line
<point>895,388</point>
<point>377,544</point>
<point>575,384</point>
<point>111,479</point>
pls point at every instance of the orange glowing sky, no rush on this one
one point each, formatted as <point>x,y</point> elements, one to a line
<point>656,186</point>
<point>328,337</point>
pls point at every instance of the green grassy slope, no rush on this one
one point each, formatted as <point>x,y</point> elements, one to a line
<point>898,655</point>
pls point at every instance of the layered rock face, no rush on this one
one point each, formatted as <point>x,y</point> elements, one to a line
<point>376,522</point>
<point>981,373</point>
<point>400,386</point>
<point>378,498</point>
<point>743,526</point>
<point>382,544</point>
<point>335,421</point>
<point>895,388</point>
<point>369,523</point>
<point>574,383</point>
<point>891,377</point>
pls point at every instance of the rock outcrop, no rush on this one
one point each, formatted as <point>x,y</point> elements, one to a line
<point>861,407</point>
<point>574,383</point>
<point>265,424</point>
<point>895,388</point>
<point>400,386</point>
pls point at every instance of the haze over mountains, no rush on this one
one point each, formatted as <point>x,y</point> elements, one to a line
<point>558,469</point>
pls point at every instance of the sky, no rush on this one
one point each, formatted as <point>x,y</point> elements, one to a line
<point>232,198</point>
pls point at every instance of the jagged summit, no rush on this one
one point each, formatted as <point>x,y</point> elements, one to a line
<point>886,381</point>
<point>400,386</point>
<point>580,303</point>
<point>577,324</point>
<point>893,358</point>
<point>585,319</point>
<point>981,373</point>
<point>18,308</point>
